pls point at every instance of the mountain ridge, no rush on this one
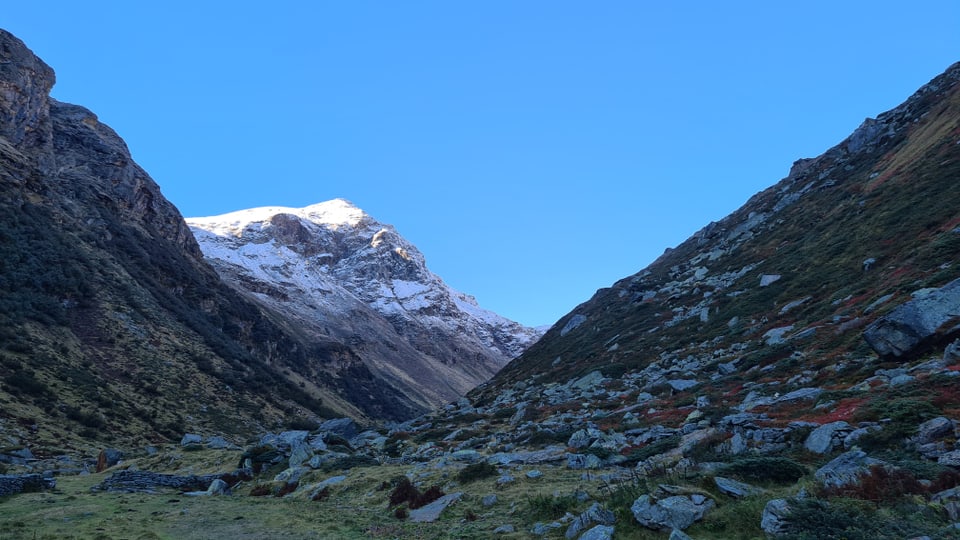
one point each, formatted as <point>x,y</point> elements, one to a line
<point>334,265</point>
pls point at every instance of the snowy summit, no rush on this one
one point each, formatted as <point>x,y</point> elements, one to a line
<point>346,275</point>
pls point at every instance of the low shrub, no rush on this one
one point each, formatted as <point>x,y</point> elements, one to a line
<point>405,492</point>
<point>761,469</point>
<point>549,436</point>
<point>813,519</point>
<point>543,507</point>
<point>321,495</point>
<point>476,471</point>
<point>260,490</point>
<point>636,455</point>
<point>879,485</point>
<point>303,424</point>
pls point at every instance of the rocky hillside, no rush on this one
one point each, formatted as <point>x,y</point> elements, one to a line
<point>340,275</point>
<point>788,282</point>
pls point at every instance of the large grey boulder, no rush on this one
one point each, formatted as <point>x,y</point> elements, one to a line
<point>583,461</point>
<point>344,427</point>
<point>846,469</point>
<point>772,521</point>
<point>595,514</point>
<point>600,532</point>
<point>735,489</point>
<point>911,326</point>
<point>826,437</point>
<point>218,487</point>
<point>934,430</point>
<point>676,512</point>
<point>191,439</point>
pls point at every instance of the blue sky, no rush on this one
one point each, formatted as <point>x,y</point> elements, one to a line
<point>534,151</point>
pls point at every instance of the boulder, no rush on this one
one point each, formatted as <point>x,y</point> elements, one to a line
<point>218,487</point>
<point>572,324</point>
<point>768,279</point>
<point>822,439</point>
<point>471,456</point>
<point>680,385</point>
<point>291,439</point>
<point>191,439</point>
<point>934,430</point>
<point>735,489</point>
<point>583,461</point>
<point>772,521</point>
<point>950,501</point>
<point>679,535</point>
<point>344,427</point>
<point>851,439</point>
<point>676,512</point>
<point>219,443</point>
<point>582,438</point>
<point>846,468</point>
<point>432,511</point>
<point>300,453</point>
<point>599,532</point>
<point>951,354</point>
<point>910,328</point>
<point>595,514</point>
<point>951,459</point>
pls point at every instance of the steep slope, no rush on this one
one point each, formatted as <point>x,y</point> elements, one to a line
<point>797,272</point>
<point>344,276</point>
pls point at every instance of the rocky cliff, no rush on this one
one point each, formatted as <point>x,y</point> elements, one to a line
<point>344,276</point>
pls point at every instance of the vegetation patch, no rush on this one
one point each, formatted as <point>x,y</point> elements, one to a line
<point>764,469</point>
<point>549,507</point>
<point>405,492</point>
<point>476,471</point>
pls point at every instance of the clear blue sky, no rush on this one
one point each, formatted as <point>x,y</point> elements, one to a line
<point>535,151</point>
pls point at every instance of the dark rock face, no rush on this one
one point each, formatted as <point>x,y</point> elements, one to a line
<point>25,82</point>
<point>907,329</point>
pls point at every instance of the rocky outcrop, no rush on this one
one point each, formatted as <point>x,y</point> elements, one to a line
<point>846,469</point>
<point>905,331</point>
<point>675,512</point>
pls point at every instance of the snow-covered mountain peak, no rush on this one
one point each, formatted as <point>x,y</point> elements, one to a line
<point>325,260</point>
<point>333,214</point>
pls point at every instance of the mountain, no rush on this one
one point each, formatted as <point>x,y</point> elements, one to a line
<point>115,329</point>
<point>338,274</point>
